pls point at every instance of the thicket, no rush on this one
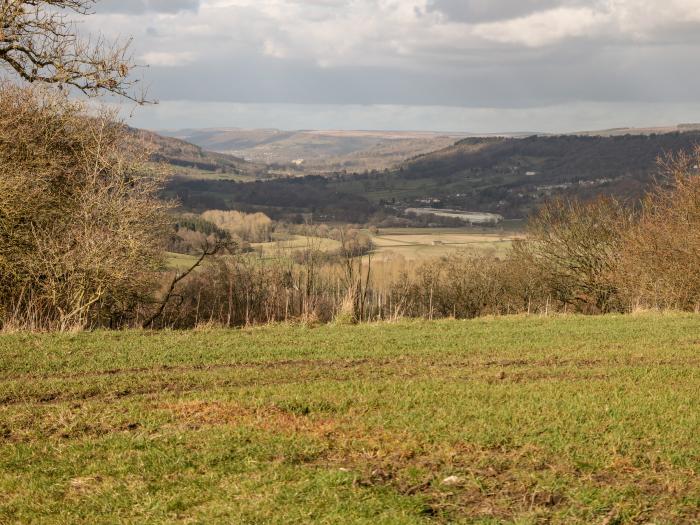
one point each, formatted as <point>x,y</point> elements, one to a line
<point>605,256</point>
<point>81,222</point>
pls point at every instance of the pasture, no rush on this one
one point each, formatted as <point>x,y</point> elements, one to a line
<point>405,245</point>
<point>285,246</point>
<point>179,261</point>
<point>419,244</point>
<point>508,420</point>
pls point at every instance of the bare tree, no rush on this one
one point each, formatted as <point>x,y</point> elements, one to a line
<point>39,41</point>
<point>207,250</point>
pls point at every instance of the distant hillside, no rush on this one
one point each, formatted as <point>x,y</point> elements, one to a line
<point>314,152</point>
<point>193,161</point>
<point>659,130</point>
<point>512,176</point>
<point>286,199</point>
<point>508,176</point>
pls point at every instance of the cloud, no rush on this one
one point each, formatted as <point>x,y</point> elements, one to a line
<point>165,59</point>
<point>622,21</point>
<point>509,54</point>
<point>478,11</point>
<point>546,27</point>
<point>143,6</point>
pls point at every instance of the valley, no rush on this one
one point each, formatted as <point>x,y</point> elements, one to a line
<point>509,177</point>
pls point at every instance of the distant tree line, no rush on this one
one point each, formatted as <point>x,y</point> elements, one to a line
<point>279,199</point>
<point>491,174</point>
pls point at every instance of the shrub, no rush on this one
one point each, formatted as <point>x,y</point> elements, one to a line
<point>243,290</point>
<point>574,247</point>
<point>660,260</point>
<point>467,286</point>
<point>81,226</point>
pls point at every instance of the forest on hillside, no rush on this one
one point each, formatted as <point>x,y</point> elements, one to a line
<point>505,175</point>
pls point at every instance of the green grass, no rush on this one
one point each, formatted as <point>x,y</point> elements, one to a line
<point>180,261</point>
<point>558,420</point>
<point>296,243</point>
<point>419,244</point>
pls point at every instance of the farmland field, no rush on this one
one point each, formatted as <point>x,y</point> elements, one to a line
<point>428,243</point>
<point>406,244</point>
<point>294,243</point>
<point>508,420</point>
<point>179,261</point>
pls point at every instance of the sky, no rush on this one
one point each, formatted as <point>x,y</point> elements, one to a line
<point>481,66</point>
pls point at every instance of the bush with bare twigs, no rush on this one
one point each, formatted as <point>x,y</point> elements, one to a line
<point>81,224</point>
<point>574,246</point>
<point>464,286</point>
<point>659,263</point>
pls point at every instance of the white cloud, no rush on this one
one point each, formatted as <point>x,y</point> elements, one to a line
<point>619,20</point>
<point>546,27</point>
<point>391,32</point>
<point>642,18</point>
<point>167,59</point>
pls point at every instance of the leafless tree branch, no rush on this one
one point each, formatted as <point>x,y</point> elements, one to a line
<point>39,42</point>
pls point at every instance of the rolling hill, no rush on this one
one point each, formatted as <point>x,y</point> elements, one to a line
<point>510,176</point>
<point>315,152</point>
<point>192,161</point>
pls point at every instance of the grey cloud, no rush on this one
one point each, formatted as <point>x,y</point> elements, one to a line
<point>173,6</point>
<point>143,6</point>
<point>537,78</point>
<point>476,11</point>
<point>234,46</point>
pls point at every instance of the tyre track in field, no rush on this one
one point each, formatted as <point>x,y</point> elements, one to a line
<point>148,381</point>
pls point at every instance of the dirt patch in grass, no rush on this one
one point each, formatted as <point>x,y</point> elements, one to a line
<point>506,483</point>
<point>198,414</point>
<point>497,483</point>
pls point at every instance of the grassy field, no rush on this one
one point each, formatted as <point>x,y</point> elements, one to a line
<point>296,243</point>
<point>408,244</point>
<point>419,244</point>
<point>180,261</point>
<point>512,420</point>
